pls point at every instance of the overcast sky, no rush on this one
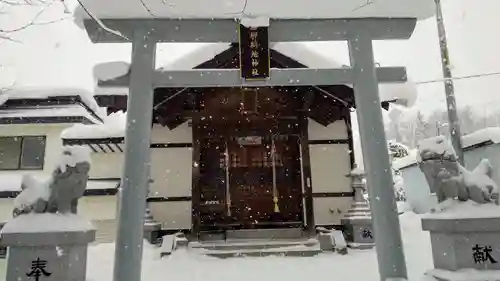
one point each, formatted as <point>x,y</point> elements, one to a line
<point>60,54</point>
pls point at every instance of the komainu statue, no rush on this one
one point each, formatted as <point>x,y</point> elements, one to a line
<point>60,193</point>
<point>450,180</point>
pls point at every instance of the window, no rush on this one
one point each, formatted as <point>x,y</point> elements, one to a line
<point>22,153</point>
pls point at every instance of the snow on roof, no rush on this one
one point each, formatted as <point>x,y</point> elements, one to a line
<point>192,59</point>
<point>44,93</point>
<point>435,146</point>
<point>286,9</point>
<point>312,59</point>
<point>112,127</point>
<point>110,91</point>
<point>109,70</point>
<point>491,134</point>
<point>204,52</point>
<point>48,111</point>
<point>11,182</point>
<point>403,93</point>
<point>404,162</point>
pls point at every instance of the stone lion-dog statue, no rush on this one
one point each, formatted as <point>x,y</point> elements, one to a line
<point>61,192</point>
<point>450,180</point>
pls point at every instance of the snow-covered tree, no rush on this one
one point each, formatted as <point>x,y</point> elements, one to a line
<point>467,120</point>
<point>396,151</point>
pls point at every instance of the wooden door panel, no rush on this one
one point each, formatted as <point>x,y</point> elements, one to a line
<point>250,178</point>
<point>212,182</point>
<point>288,177</point>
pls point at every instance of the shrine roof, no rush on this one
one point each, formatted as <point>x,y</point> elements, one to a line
<point>48,105</point>
<point>401,93</point>
<point>279,9</point>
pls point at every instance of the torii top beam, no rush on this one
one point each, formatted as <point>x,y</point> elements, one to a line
<point>277,9</point>
<point>193,21</point>
<point>226,30</point>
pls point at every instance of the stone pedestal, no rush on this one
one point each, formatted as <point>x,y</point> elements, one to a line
<point>47,247</point>
<point>468,238</point>
<point>357,222</point>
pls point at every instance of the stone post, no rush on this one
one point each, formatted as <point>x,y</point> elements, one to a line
<point>151,227</point>
<point>358,220</point>
<point>47,247</point>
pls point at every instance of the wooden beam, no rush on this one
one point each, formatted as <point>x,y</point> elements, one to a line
<point>225,30</point>
<point>200,78</point>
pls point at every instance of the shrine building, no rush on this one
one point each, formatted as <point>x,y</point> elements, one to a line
<point>236,158</point>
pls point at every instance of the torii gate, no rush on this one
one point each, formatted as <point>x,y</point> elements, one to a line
<point>363,75</point>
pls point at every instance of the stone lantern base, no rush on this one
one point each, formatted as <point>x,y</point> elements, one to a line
<point>358,232</point>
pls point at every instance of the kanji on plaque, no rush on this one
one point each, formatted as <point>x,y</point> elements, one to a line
<point>254,52</point>
<point>483,254</point>
<point>38,270</point>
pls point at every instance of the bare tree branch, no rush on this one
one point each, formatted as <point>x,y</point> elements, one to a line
<point>147,8</point>
<point>101,24</point>
<point>5,37</point>
<point>5,34</point>
<point>242,11</point>
<point>368,3</point>
<point>25,2</point>
<point>32,22</point>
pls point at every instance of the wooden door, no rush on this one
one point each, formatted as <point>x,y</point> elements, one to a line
<point>265,181</point>
<point>251,181</point>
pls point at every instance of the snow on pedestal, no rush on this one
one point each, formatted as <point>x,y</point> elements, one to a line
<point>465,227</point>
<point>53,246</point>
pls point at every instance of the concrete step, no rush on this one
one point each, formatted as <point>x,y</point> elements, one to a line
<point>269,234</point>
<point>257,248</point>
<point>106,231</point>
<point>290,251</point>
<point>252,244</point>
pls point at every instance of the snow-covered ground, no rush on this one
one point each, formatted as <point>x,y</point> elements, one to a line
<point>357,265</point>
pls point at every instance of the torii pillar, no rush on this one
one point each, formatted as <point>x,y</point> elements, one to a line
<point>362,74</point>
